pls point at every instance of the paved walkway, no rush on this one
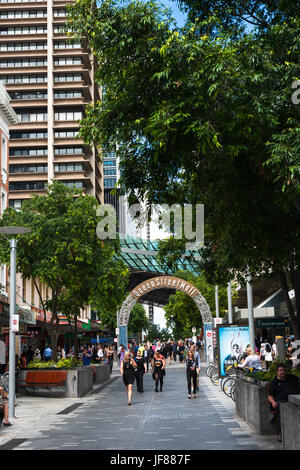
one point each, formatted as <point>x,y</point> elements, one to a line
<point>156,421</point>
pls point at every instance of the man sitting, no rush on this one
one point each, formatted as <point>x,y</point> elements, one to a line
<point>280,388</point>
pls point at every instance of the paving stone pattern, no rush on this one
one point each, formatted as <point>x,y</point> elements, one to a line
<point>156,421</point>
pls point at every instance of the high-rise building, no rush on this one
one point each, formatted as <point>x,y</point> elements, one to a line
<point>50,81</point>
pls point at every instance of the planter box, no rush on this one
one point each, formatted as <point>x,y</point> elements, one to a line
<point>252,405</point>
<point>78,381</point>
<point>290,423</point>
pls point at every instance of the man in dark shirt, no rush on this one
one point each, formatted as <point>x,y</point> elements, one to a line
<point>280,388</point>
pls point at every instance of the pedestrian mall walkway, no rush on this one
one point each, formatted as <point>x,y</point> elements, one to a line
<point>156,421</point>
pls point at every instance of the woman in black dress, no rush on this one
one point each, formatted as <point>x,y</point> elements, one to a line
<point>128,366</point>
<point>158,370</point>
<point>191,372</point>
<point>139,373</point>
<point>110,357</point>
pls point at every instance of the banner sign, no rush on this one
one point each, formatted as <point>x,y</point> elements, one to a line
<point>208,341</point>
<point>15,323</point>
<point>232,342</point>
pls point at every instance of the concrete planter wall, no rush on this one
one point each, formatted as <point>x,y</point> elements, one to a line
<point>290,423</point>
<point>79,382</point>
<point>252,405</point>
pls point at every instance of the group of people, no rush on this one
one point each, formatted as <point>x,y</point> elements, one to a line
<point>135,360</point>
<point>97,354</point>
<point>263,356</point>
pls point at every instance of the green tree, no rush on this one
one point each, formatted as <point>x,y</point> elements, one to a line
<point>182,313</point>
<point>205,118</point>
<point>64,253</point>
<point>153,332</point>
<point>138,320</point>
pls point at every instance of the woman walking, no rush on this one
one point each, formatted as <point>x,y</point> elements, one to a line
<point>139,373</point>
<point>268,356</point>
<point>158,370</point>
<point>191,372</point>
<point>110,357</point>
<point>127,369</point>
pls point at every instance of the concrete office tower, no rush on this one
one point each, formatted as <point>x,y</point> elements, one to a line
<point>50,82</point>
<point>7,118</point>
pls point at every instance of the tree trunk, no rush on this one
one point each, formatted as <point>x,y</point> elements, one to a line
<point>294,315</point>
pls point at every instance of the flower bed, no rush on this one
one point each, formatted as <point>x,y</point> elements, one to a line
<point>63,363</point>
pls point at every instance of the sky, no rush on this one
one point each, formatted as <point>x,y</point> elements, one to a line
<point>177,14</point>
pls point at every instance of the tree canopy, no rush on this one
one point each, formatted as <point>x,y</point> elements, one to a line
<point>64,253</point>
<point>205,115</point>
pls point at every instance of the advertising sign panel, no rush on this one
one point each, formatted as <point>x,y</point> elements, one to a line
<point>232,342</point>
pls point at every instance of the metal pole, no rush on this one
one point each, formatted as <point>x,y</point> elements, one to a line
<point>229,296</point>
<point>12,345</point>
<point>217,301</point>
<point>250,311</point>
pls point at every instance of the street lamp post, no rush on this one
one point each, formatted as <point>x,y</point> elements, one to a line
<point>12,312</point>
<point>229,297</point>
<point>250,311</point>
<point>217,301</point>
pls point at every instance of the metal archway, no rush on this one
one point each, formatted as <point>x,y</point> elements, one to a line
<point>160,282</point>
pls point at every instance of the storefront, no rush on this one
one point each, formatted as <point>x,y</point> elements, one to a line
<point>269,328</point>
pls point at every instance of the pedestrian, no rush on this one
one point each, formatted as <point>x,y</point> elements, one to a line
<point>37,355</point>
<point>2,355</point>
<point>268,355</point>
<point>191,373</point>
<point>4,406</point>
<point>147,358</point>
<point>198,365</point>
<point>181,351</point>
<point>24,359</point>
<point>30,354</point>
<point>47,354</point>
<point>121,354</point>
<point>274,349</point>
<point>170,351</point>
<point>158,370</point>
<point>252,361</point>
<point>139,372</point>
<point>280,388</point>
<point>127,369</point>
<point>174,347</point>
<point>86,357</point>
<point>100,354</point>
<point>110,357</point>
<point>59,353</point>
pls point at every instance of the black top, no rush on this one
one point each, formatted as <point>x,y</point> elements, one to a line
<point>128,367</point>
<point>281,389</point>
<point>140,364</point>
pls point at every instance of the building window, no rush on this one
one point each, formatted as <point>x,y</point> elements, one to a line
<point>23,46</point>
<point>3,202</point>
<point>68,94</point>
<point>24,78</point>
<point>18,30</point>
<point>67,61</point>
<point>68,116</point>
<point>4,160</point>
<point>67,45</point>
<point>37,168</point>
<point>110,182</point>
<point>5,63</point>
<point>28,95</point>
<point>68,77</point>
<point>68,151</point>
<point>68,167</point>
<point>16,203</point>
<point>27,185</point>
<point>29,152</point>
<point>23,14</point>
<point>3,278</point>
